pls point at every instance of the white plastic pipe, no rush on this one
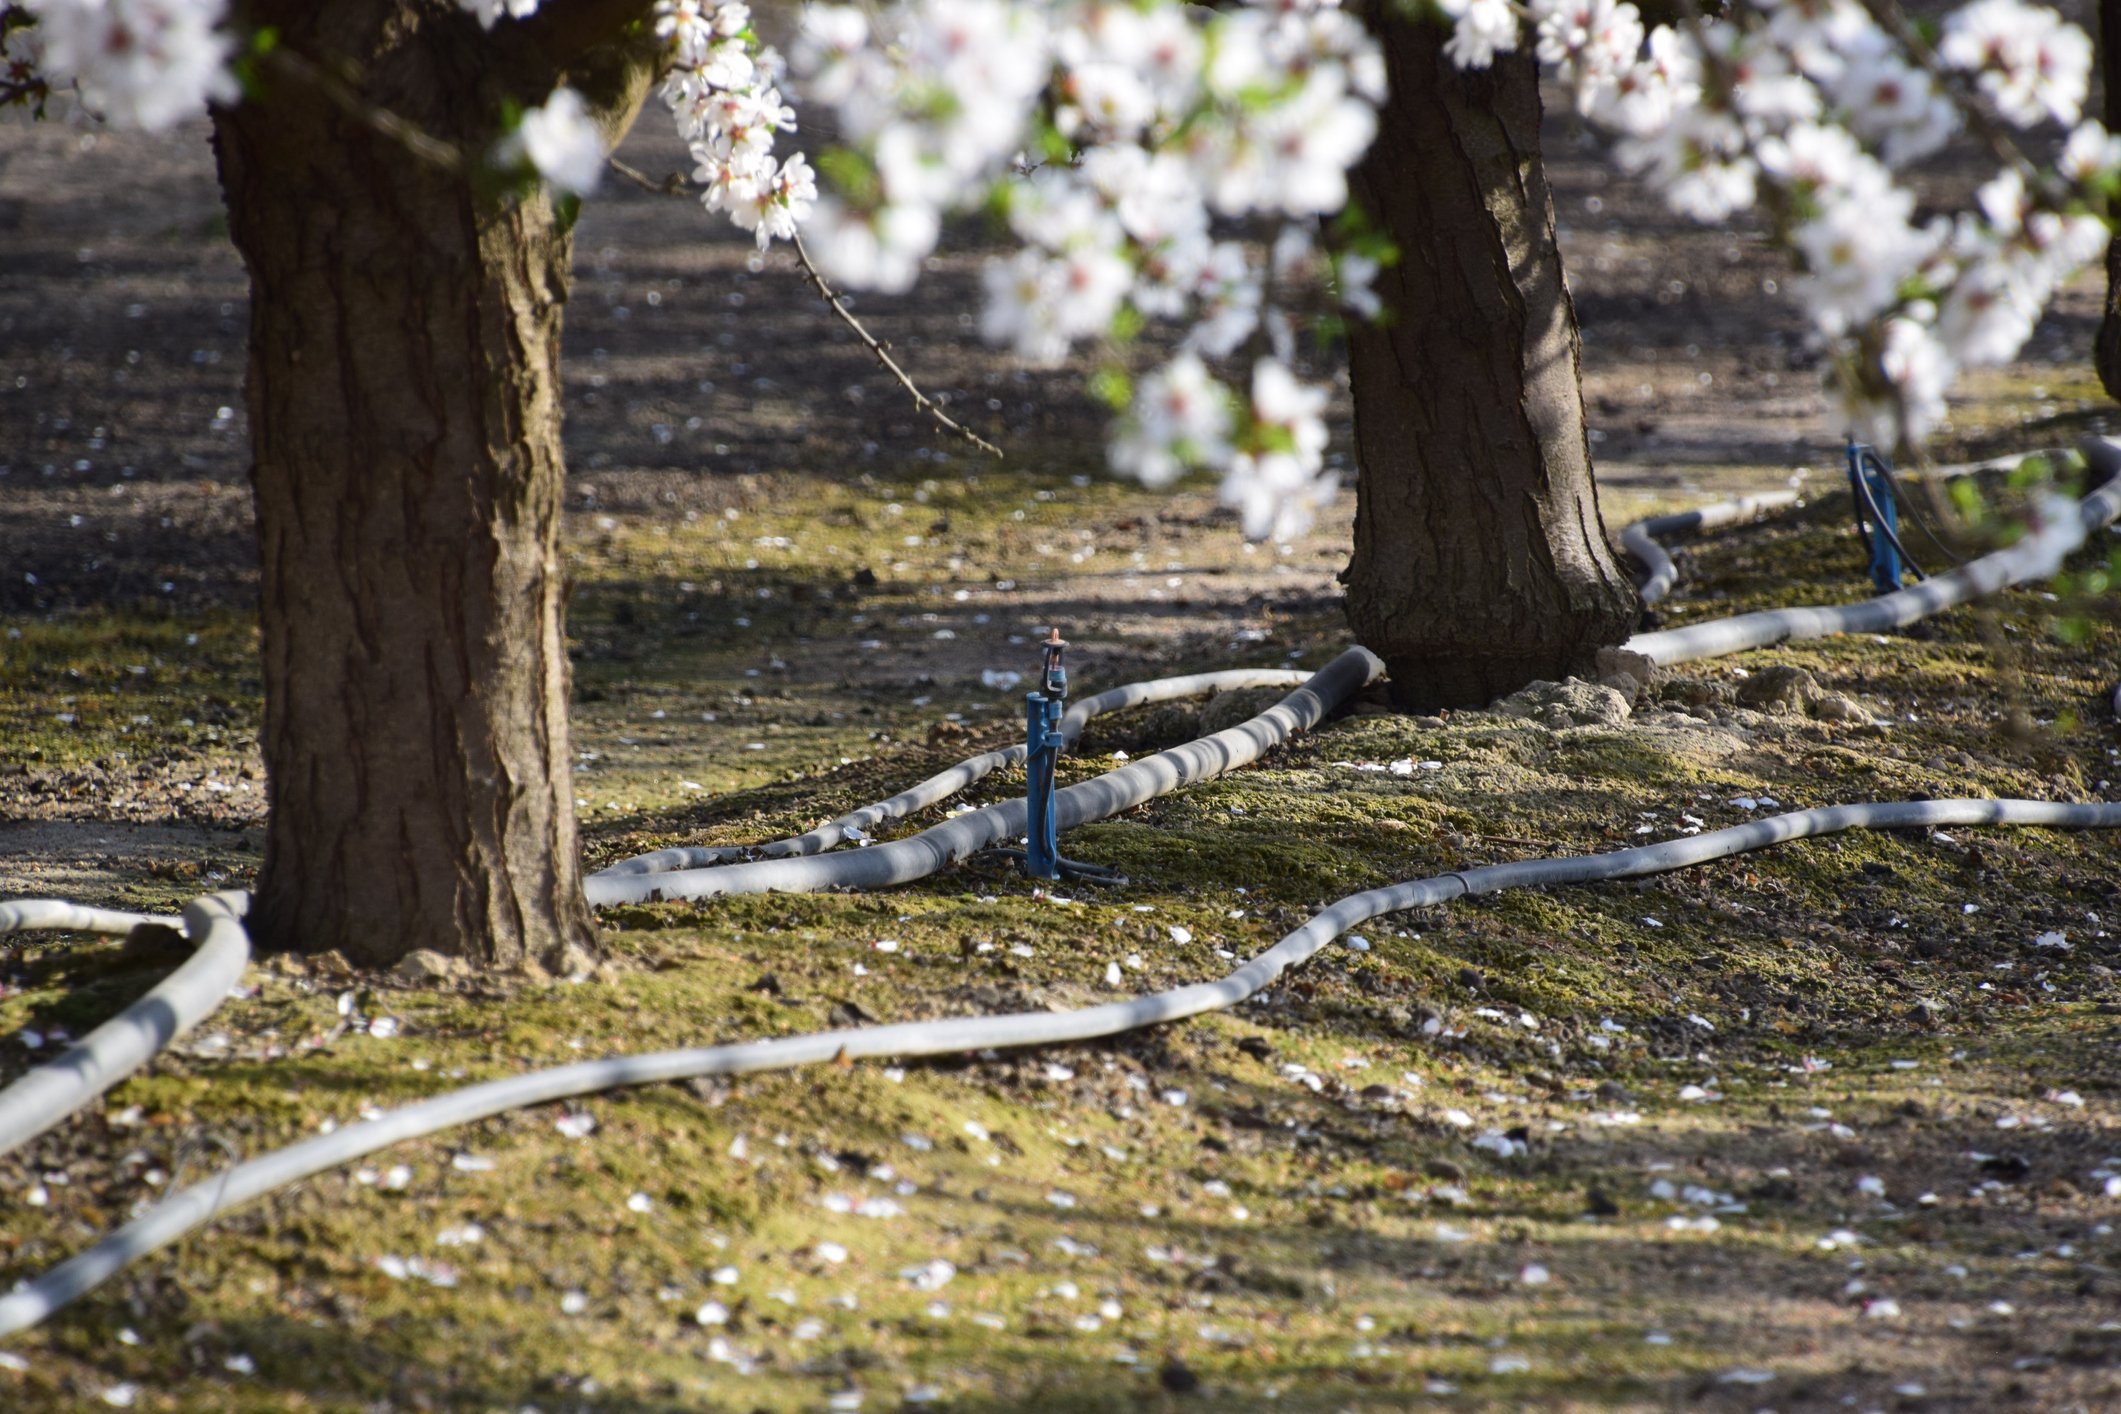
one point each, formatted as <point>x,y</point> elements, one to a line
<point>1659,573</point>
<point>120,1046</point>
<point>36,915</point>
<point>944,784</point>
<point>191,1208</point>
<point>51,1092</point>
<point>2036,556</point>
<point>1118,790</point>
<point>940,845</point>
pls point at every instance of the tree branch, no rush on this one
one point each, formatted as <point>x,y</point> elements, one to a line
<point>674,185</point>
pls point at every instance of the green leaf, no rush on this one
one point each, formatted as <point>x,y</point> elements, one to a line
<point>1111,386</point>
<point>1052,146</point>
<point>568,209</point>
<point>853,174</point>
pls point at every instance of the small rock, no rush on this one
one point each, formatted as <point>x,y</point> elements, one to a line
<point>331,963</point>
<point>1834,707</point>
<point>1176,1378</point>
<point>1599,1204</point>
<point>1566,704</point>
<point>1617,663</point>
<point>1623,684</point>
<point>425,965</point>
<point>1780,689</point>
<point>1446,1170</point>
<point>1695,693</point>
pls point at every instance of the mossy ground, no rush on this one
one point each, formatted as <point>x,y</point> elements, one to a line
<point>1665,1095</point>
<point>1501,1085</point>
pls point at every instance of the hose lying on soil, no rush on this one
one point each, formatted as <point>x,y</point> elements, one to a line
<point>48,1094</point>
<point>1118,790</point>
<point>1659,573</point>
<point>918,856</point>
<point>944,784</point>
<point>184,1211</point>
<point>120,1046</point>
<point>2036,556</point>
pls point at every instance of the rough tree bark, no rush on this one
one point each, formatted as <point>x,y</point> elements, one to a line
<point>1480,560</point>
<point>403,393</point>
<point>2106,353</point>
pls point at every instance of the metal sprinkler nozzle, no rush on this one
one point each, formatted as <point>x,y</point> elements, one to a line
<point>1054,674</point>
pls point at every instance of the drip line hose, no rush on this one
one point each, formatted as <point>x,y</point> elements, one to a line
<point>940,787</point>
<point>184,1211</point>
<point>120,1046</point>
<point>918,856</point>
<point>2039,554</point>
<point>214,922</point>
<point>1659,573</point>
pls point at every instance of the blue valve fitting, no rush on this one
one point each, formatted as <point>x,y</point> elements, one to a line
<point>1877,515</point>
<point>1042,744</point>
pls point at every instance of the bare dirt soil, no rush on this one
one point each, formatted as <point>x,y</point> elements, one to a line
<point>1829,1128</point>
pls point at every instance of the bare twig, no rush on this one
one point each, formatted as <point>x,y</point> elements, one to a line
<point>674,185</point>
<point>883,355</point>
<point>30,92</point>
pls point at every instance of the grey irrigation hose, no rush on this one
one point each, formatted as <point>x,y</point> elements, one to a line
<point>51,1092</point>
<point>1660,574</point>
<point>2037,555</point>
<point>918,856</point>
<point>184,1211</point>
<point>944,784</point>
<point>1095,800</point>
<point>38,915</point>
<point>1640,539</point>
<point>121,1045</point>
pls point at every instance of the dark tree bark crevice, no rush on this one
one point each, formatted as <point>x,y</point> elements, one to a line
<point>1480,560</point>
<point>2106,350</point>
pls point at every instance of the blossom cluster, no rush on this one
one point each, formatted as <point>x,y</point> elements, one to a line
<point>1811,110</point>
<point>138,63</point>
<point>1124,142</point>
<point>721,92</point>
<point>1158,161</point>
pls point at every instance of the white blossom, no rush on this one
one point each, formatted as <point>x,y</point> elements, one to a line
<point>560,140</point>
<point>1480,30</point>
<point>1180,418</point>
<point>139,63</point>
<point>2032,64</point>
<point>490,11</point>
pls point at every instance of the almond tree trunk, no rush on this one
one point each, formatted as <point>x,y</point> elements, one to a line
<point>2106,355</point>
<point>1481,563</point>
<point>404,402</point>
